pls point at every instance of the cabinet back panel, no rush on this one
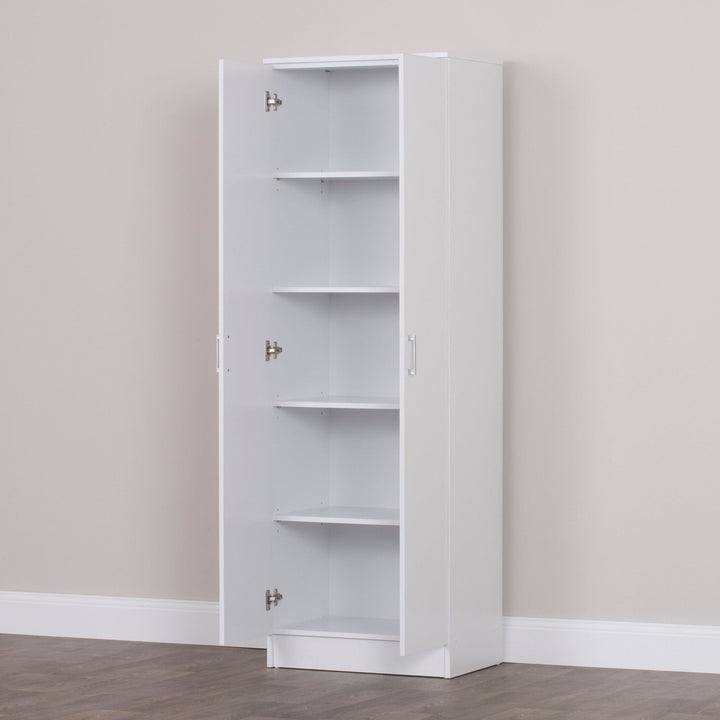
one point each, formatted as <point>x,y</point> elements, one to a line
<point>363,113</point>
<point>363,345</point>
<point>335,120</point>
<point>301,329</point>
<point>301,561</point>
<point>364,571</point>
<point>300,468</point>
<point>364,457</point>
<point>300,248</point>
<point>363,228</point>
<point>331,233</point>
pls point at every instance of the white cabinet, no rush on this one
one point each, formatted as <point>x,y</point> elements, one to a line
<point>361,465</point>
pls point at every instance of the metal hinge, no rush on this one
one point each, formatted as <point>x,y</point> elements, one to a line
<point>272,350</point>
<point>272,597</point>
<point>272,101</point>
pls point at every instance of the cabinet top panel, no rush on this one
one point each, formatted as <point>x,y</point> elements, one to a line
<point>351,61</point>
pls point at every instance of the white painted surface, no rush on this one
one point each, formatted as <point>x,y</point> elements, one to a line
<point>303,115</point>
<point>341,402</point>
<point>363,227</point>
<point>339,349</point>
<point>352,655</point>
<point>363,120</point>
<point>338,515</point>
<point>363,463</point>
<point>109,618</point>
<point>295,249</point>
<point>423,415</point>
<point>362,350</point>
<point>364,571</point>
<point>340,61</point>
<point>365,65</point>
<point>335,126</point>
<point>345,627</point>
<point>336,175</point>
<point>253,429</point>
<point>243,204</point>
<point>475,360</point>
<point>354,338</point>
<point>339,289</point>
<point>597,643</point>
<point>343,338</point>
<point>220,363</point>
<point>335,61</point>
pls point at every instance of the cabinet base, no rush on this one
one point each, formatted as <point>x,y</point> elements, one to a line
<point>353,655</point>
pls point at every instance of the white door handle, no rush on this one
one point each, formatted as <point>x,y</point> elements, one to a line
<point>413,366</point>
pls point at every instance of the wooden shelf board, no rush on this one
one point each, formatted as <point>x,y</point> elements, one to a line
<point>341,402</point>
<point>344,627</point>
<point>337,175</point>
<point>339,289</point>
<point>339,515</point>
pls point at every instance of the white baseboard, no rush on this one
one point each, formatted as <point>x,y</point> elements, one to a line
<point>587,643</point>
<point>109,618</point>
<point>597,643</point>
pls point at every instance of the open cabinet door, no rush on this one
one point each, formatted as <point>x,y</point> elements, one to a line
<point>424,380</point>
<point>270,457</point>
<point>246,390</point>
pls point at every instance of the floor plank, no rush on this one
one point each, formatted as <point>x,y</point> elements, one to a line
<point>70,679</point>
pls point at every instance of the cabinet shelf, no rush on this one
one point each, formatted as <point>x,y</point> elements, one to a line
<point>338,515</point>
<point>341,402</point>
<point>339,289</point>
<point>345,627</point>
<point>338,175</point>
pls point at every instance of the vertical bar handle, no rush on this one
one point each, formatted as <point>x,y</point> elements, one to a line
<point>217,353</point>
<point>413,366</point>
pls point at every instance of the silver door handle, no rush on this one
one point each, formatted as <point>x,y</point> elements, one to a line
<point>413,366</point>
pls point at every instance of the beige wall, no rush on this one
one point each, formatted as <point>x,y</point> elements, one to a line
<point>107,288</point>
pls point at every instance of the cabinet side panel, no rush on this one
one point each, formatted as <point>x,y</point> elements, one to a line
<point>475,359</point>
<point>424,395</point>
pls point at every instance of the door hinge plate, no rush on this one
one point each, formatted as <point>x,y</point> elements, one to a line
<point>272,597</point>
<point>272,101</point>
<point>272,350</point>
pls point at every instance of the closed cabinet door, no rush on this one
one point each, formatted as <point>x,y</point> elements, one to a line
<point>424,380</point>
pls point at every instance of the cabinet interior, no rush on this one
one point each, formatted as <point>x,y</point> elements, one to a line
<point>322,274</point>
<point>343,120</point>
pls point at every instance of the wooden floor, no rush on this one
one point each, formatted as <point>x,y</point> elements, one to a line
<point>64,679</point>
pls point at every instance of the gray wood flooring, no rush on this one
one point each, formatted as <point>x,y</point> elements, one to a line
<point>68,679</point>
